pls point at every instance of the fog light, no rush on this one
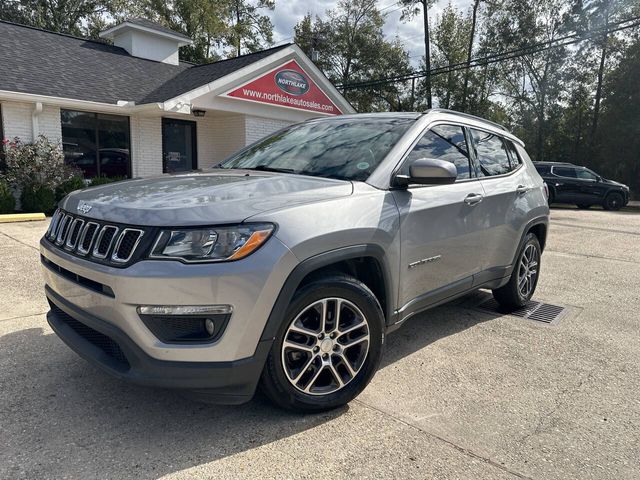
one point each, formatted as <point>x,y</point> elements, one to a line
<point>210,326</point>
<point>184,323</point>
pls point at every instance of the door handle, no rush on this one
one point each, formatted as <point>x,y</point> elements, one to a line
<point>521,189</point>
<point>473,199</point>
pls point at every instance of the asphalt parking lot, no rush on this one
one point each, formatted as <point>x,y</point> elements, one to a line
<point>461,393</point>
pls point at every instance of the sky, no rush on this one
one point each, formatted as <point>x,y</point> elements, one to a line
<point>289,12</point>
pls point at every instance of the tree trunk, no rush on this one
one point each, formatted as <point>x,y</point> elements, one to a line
<point>238,29</point>
<point>596,105</point>
<point>427,53</point>
<point>472,34</point>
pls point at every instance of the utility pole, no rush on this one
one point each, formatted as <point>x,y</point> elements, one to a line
<point>427,50</point>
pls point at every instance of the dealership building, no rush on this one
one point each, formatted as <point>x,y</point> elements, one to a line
<point>132,108</point>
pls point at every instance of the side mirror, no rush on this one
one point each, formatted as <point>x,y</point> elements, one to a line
<point>428,171</point>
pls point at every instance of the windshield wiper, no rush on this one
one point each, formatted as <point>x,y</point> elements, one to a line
<point>266,168</point>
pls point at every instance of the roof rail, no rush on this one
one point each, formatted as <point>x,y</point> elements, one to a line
<point>468,115</point>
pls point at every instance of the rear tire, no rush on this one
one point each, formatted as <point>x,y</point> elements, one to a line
<point>613,201</point>
<point>328,347</point>
<point>524,278</point>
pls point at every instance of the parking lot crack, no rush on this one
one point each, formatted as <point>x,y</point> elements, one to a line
<point>20,241</point>
<point>464,450</point>
<point>559,401</point>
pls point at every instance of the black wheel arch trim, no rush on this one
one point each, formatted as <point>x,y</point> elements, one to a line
<point>317,262</point>
<point>532,223</point>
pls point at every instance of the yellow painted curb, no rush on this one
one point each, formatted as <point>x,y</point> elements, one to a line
<point>22,217</point>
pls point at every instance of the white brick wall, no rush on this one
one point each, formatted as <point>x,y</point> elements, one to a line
<point>218,137</point>
<point>16,120</point>
<point>259,127</point>
<point>49,123</point>
<point>146,146</point>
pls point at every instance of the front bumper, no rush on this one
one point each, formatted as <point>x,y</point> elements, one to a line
<point>110,294</point>
<point>112,350</point>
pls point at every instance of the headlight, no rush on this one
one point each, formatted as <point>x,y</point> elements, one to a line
<point>211,244</point>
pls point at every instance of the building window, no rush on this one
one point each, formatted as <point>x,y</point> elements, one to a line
<point>99,144</point>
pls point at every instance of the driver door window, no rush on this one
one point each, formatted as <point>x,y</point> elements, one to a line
<point>442,142</point>
<point>586,175</point>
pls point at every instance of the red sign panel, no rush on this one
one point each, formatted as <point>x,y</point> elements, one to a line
<point>288,86</point>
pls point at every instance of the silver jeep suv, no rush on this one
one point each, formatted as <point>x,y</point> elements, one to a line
<point>286,265</point>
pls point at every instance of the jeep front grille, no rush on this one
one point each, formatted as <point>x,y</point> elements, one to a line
<point>98,241</point>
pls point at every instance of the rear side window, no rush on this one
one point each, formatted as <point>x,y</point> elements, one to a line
<point>565,172</point>
<point>543,169</point>
<point>514,158</point>
<point>443,142</point>
<point>491,153</point>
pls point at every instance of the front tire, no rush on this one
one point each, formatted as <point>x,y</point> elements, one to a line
<point>613,201</point>
<point>524,278</point>
<point>328,347</point>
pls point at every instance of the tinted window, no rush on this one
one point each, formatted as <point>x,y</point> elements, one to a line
<point>491,153</point>
<point>586,174</point>
<point>514,158</point>
<point>348,148</point>
<point>442,142</point>
<point>565,172</point>
<point>543,168</point>
<point>96,143</point>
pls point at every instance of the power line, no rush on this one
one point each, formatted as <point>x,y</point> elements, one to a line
<point>498,57</point>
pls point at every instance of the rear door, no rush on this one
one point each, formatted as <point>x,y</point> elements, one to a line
<point>441,226</point>
<point>506,184</point>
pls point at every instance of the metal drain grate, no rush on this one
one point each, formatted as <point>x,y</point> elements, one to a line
<point>537,311</point>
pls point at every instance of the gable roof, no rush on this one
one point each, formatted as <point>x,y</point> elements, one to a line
<point>40,62</point>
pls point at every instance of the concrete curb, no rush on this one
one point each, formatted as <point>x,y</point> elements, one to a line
<point>22,217</point>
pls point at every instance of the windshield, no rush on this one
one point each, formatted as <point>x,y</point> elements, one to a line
<point>348,149</point>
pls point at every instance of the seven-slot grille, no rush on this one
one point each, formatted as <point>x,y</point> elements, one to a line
<point>91,239</point>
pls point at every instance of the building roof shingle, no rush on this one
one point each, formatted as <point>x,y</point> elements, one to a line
<point>45,63</point>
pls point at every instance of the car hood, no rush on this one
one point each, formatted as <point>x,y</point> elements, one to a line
<point>201,198</point>
<point>612,182</point>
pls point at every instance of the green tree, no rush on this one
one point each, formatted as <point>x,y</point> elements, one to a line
<point>618,143</point>
<point>248,29</point>
<point>532,81</point>
<point>410,10</point>
<point>74,17</point>
<point>472,36</point>
<point>450,39</point>
<point>351,48</point>
<point>201,20</point>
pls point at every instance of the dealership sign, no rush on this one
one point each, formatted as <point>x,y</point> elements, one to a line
<point>289,86</point>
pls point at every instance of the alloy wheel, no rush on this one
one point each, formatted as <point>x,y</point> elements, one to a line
<point>528,270</point>
<point>325,346</point>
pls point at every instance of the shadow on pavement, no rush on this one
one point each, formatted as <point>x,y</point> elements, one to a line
<point>61,417</point>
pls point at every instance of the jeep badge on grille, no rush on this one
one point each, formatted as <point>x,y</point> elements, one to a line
<point>84,207</point>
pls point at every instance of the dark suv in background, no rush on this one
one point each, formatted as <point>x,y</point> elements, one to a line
<point>570,183</point>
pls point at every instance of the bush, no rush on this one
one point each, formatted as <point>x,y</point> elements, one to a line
<point>39,172</point>
<point>38,198</point>
<point>104,180</point>
<point>7,201</point>
<point>68,186</point>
